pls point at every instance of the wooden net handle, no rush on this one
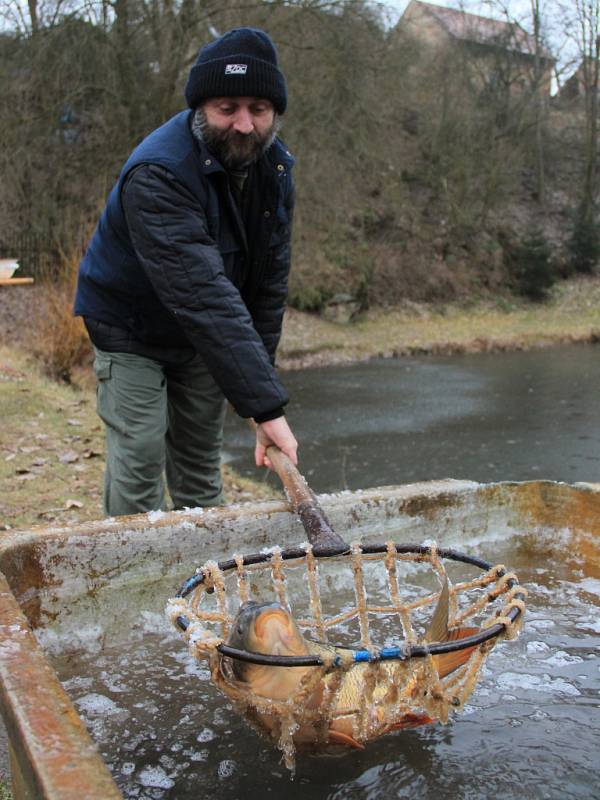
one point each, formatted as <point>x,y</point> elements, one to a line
<point>303,502</point>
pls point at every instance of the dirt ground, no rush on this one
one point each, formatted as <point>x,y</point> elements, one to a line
<point>52,450</point>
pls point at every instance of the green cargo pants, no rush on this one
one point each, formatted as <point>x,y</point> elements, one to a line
<point>160,418</point>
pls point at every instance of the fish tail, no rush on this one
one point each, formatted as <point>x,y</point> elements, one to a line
<point>448,662</point>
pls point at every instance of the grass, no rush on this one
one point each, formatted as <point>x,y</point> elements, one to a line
<point>52,450</point>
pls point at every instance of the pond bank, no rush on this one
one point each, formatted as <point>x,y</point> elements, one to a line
<point>571,315</point>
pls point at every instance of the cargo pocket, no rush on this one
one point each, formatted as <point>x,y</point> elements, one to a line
<point>106,398</point>
<point>102,367</point>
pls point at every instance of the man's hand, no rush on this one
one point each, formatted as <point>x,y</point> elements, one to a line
<point>275,431</point>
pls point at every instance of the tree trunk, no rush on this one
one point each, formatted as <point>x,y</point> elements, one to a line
<point>539,111</point>
<point>591,168</point>
<point>33,15</point>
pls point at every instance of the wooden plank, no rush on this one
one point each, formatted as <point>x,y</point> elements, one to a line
<point>14,281</point>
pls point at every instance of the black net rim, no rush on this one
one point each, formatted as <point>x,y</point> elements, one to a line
<point>403,652</point>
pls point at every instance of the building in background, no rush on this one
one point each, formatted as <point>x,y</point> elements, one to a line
<point>499,56</point>
<point>574,89</point>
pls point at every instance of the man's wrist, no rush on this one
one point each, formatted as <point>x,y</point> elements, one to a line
<point>269,415</point>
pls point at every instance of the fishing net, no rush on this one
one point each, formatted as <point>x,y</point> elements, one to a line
<point>369,668</point>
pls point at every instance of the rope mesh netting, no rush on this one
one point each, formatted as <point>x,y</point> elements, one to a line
<point>367,666</point>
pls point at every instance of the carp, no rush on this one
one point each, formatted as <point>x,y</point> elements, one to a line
<point>270,629</point>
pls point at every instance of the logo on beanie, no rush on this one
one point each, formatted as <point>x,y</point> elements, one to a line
<point>236,69</point>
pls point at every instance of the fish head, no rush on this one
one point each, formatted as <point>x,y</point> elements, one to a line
<point>266,628</point>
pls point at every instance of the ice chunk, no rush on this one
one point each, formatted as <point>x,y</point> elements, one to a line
<point>155,777</point>
<point>591,585</point>
<point>589,623</point>
<point>206,735</point>
<point>562,658</point>
<point>540,624</point>
<point>226,768</point>
<point>96,705</point>
<point>537,647</point>
<point>537,683</point>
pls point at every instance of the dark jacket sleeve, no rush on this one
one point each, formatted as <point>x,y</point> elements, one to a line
<point>171,239</point>
<point>268,305</point>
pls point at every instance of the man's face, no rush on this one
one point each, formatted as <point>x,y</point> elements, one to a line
<point>238,130</point>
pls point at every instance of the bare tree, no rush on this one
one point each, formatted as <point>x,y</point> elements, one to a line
<point>589,26</point>
<point>582,25</point>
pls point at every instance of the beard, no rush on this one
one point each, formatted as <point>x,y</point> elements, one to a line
<point>233,149</point>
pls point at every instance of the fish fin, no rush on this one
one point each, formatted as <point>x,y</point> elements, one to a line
<point>448,662</point>
<point>438,627</point>
<point>410,720</point>
<point>337,737</point>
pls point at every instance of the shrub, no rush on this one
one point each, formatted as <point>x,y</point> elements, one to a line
<point>584,245</point>
<point>309,298</point>
<point>57,339</point>
<point>530,265</point>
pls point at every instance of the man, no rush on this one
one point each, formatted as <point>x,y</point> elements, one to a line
<point>184,283</point>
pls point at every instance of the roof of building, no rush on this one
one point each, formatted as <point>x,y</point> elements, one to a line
<point>483,30</point>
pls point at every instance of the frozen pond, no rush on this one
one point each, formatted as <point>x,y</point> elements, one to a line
<point>508,416</point>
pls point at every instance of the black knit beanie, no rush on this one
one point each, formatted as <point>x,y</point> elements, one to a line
<point>241,63</point>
